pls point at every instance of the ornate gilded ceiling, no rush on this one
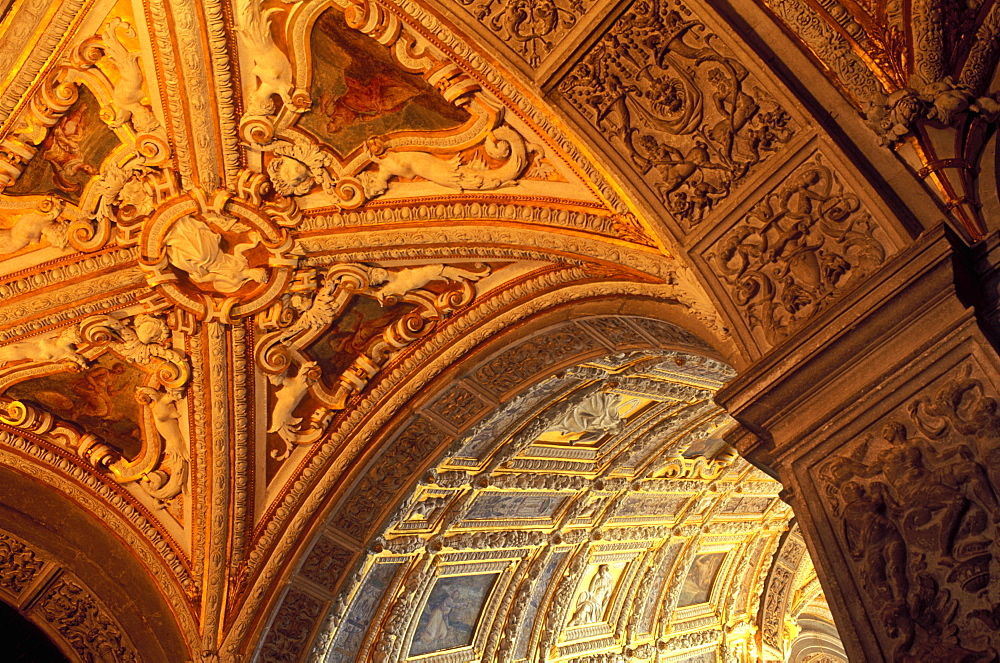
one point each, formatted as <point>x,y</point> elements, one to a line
<point>302,302</point>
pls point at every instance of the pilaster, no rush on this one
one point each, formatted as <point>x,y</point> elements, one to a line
<point>880,418</point>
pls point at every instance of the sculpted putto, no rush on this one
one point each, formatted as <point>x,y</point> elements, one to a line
<point>33,226</point>
<point>54,346</point>
<point>396,284</point>
<point>196,248</point>
<point>128,92</point>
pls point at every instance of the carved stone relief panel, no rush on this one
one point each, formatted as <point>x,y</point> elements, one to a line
<point>530,29</point>
<point>913,500</point>
<point>394,467</point>
<point>289,635</point>
<point>680,105</point>
<point>61,604</point>
<point>799,248</point>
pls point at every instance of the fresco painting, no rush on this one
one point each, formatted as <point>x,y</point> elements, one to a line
<point>450,615</point>
<point>651,504</point>
<point>359,616</point>
<point>71,153</point>
<point>101,400</point>
<point>697,585</point>
<point>515,506</point>
<point>359,92</point>
<point>363,320</point>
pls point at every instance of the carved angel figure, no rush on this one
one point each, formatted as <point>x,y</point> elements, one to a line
<point>33,226</point>
<point>196,248</point>
<point>271,67</point>
<point>54,346</point>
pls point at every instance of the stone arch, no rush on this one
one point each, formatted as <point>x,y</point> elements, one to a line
<point>70,576</point>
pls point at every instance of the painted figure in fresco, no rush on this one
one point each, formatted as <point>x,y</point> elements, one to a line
<point>590,607</point>
<point>382,95</point>
<point>95,390</point>
<point>436,629</point>
<point>61,148</point>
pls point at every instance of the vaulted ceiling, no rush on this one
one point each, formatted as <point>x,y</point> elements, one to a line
<point>322,320</point>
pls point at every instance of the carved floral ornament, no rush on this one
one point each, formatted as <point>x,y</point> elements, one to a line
<point>797,249</point>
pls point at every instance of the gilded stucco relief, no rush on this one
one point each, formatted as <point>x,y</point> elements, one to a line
<point>364,343</point>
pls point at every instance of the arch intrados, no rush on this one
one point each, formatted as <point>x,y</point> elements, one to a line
<point>532,327</point>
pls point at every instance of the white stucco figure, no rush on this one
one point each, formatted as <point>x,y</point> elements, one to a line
<point>54,346</point>
<point>196,248</point>
<point>290,393</point>
<point>271,68</point>
<point>166,419</point>
<point>590,607</point>
<point>128,93</point>
<point>594,416</point>
<point>396,284</point>
<point>33,226</point>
